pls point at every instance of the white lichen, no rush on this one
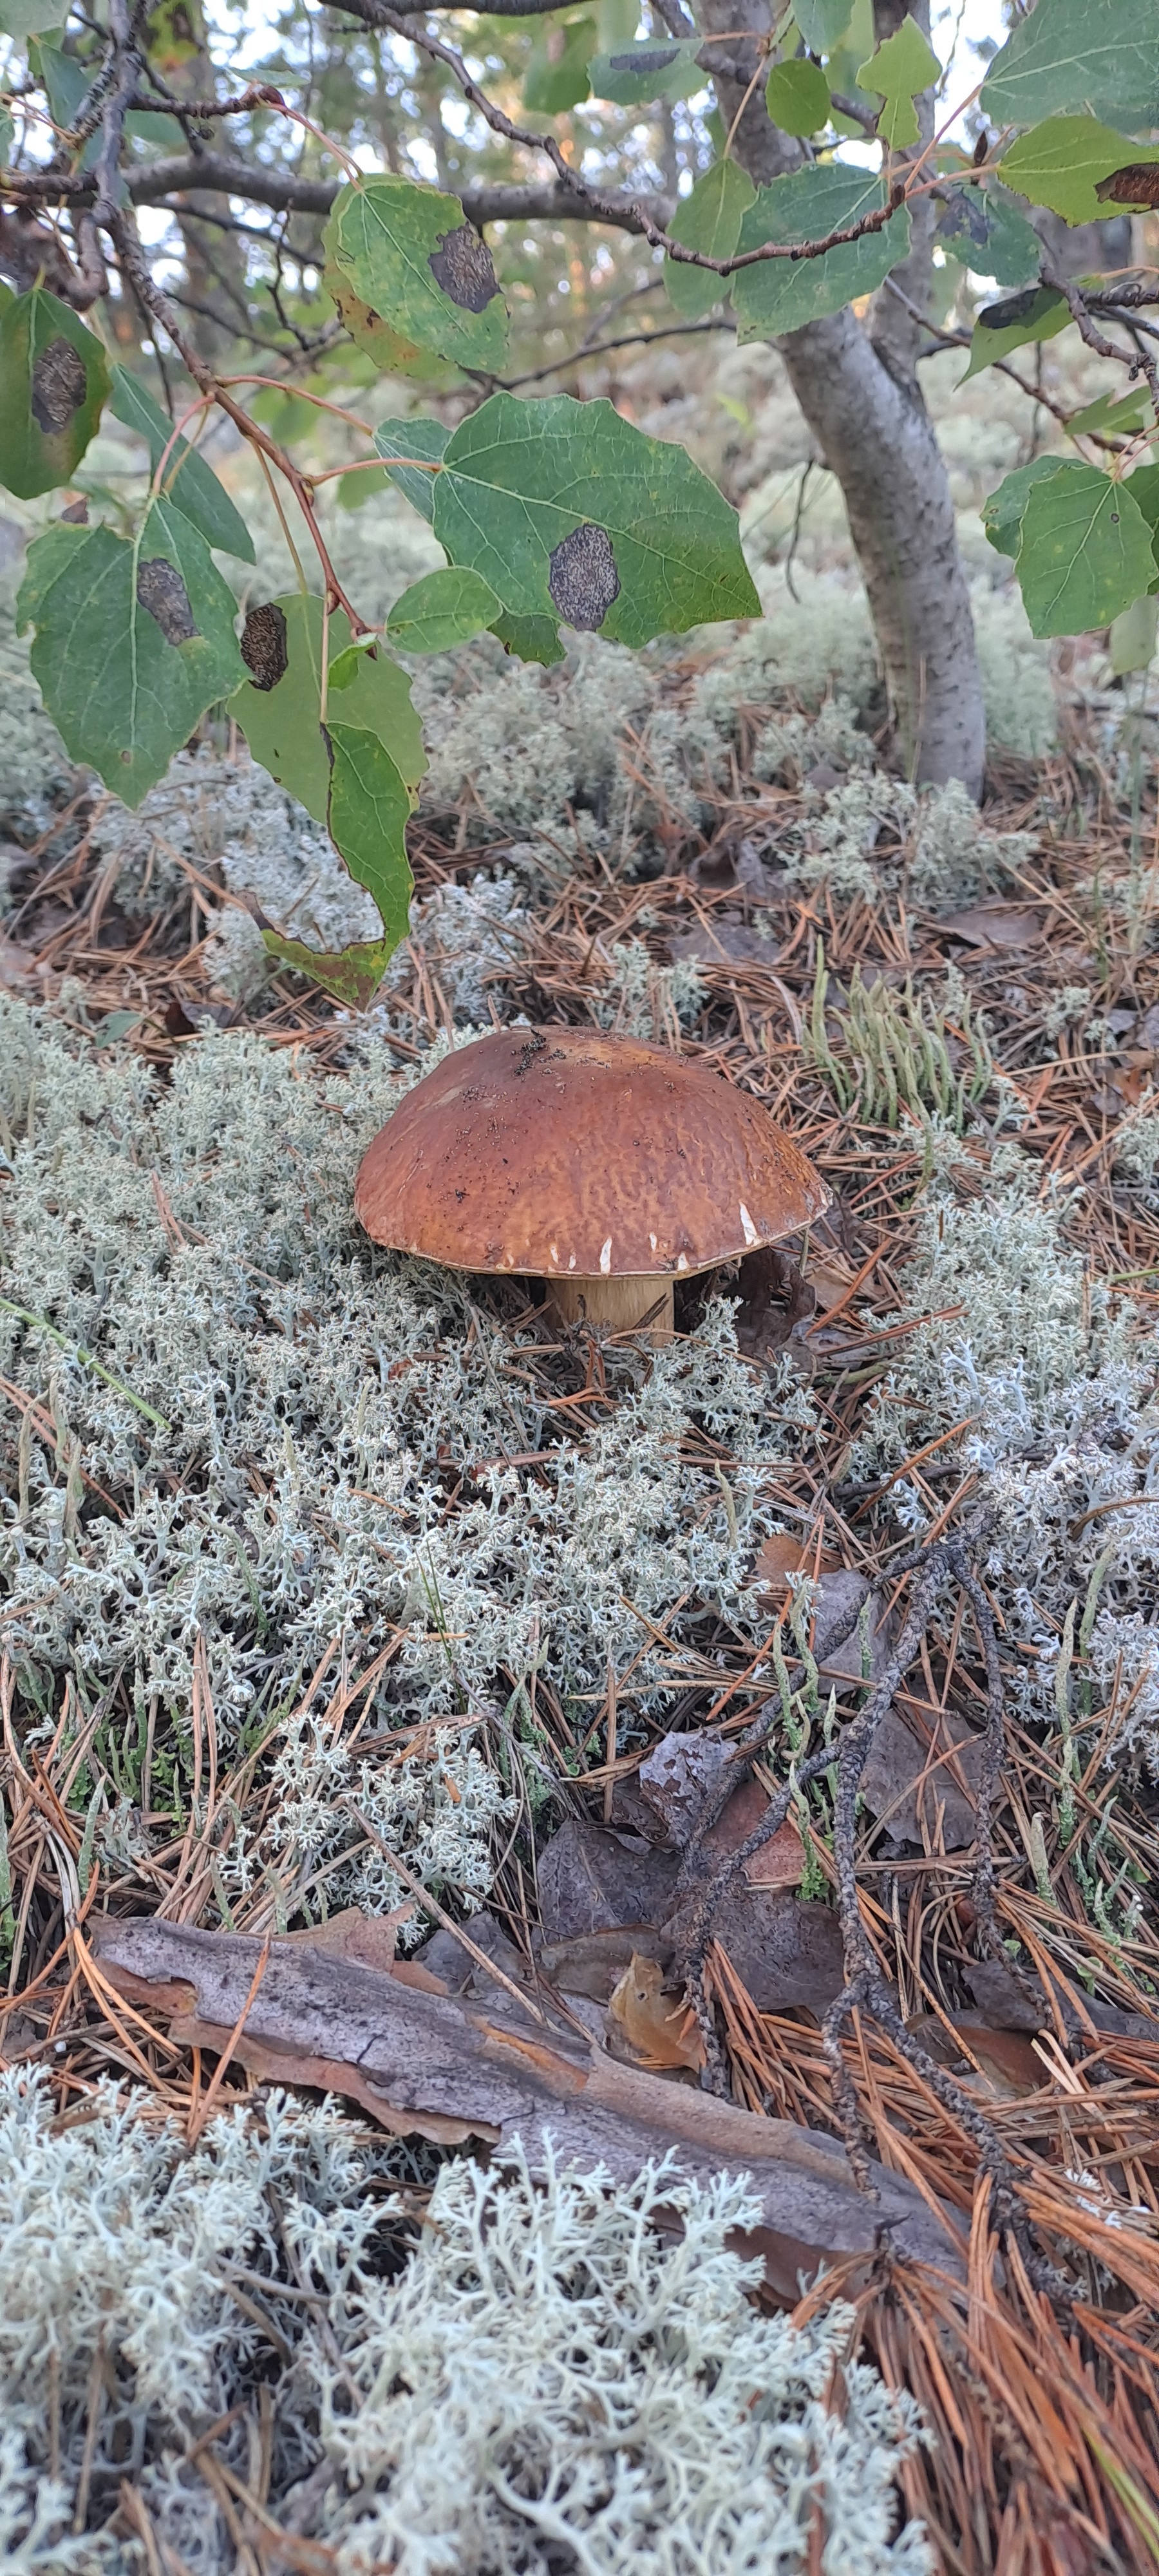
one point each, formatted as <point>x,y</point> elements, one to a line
<point>548,2379</point>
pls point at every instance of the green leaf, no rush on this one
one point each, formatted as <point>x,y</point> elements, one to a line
<point>1037,314</point>
<point>571,513</point>
<point>1085,551</point>
<point>531,639</point>
<point>782,294</point>
<point>356,770</point>
<point>558,80</point>
<point>708,219</point>
<point>188,480</point>
<point>822,22</point>
<point>1110,417</point>
<point>414,260</point>
<point>898,72</point>
<point>442,610</point>
<point>1133,634</point>
<point>369,807</point>
<point>54,381</point>
<point>841,68</point>
<point>424,439</point>
<point>392,354</point>
<point>23,18</point>
<point>1060,164</point>
<point>280,710</point>
<point>797,97</point>
<point>1070,57</point>
<point>1002,513</point>
<point>134,640</point>
<point>983,230</point>
<point>7,132</point>
<point>663,67</point>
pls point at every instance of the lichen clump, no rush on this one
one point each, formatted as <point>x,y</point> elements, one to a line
<point>542,2380</point>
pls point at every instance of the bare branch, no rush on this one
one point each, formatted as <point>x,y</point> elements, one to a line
<point>217,173</point>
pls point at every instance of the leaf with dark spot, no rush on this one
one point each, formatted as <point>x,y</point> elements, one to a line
<point>97,602</point>
<point>54,379</point>
<point>263,645</point>
<point>161,590</point>
<point>356,771</point>
<point>1137,185</point>
<point>59,386</point>
<point>657,549</point>
<point>636,74</point>
<point>582,578</point>
<point>413,261</point>
<point>645,58</point>
<point>462,266</point>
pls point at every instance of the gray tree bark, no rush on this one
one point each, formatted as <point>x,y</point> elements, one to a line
<point>858,389</point>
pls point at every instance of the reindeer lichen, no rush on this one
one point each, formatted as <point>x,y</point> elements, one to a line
<point>547,2379</point>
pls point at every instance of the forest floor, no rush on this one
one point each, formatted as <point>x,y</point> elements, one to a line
<point>1002,2046</point>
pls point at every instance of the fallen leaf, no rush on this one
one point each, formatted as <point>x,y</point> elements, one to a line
<point>917,1765</point>
<point>829,1283</point>
<point>1012,2002</point>
<point>431,2065</point>
<point>994,925</point>
<point>592,1880</point>
<point>594,1962</point>
<point>661,2028</point>
<point>369,1938</point>
<point>1009,2068</point>
<point>721,942</point>
<point>677,1779</point>
<point>785,1953</point>
<point>781,1555</point>
<point>16,964</point>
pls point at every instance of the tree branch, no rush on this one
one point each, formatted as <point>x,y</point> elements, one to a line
<point>153,183</point>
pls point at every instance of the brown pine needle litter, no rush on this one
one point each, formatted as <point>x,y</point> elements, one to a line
<point>1026,2112</point>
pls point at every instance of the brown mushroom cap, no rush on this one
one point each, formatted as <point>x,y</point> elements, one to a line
<point>564,1152</point>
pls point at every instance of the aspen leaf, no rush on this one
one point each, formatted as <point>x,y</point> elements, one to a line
<point>1061,163</point>
<point>822,22</point>
<point>134,640</point>
<point>709,220</point>
<point>442,610</point>
<point>1039,313</point>
<point>415,262</point>
<point>557,75</point>
<point>898,72</point>
<point>54,382</point>
<point>637,75</point>
<point>1085,550</point>
<point>782,294</point>
<point>1076,57</point>
<point>797,97</point>
<point>188,481</point>
<point>571,514</point>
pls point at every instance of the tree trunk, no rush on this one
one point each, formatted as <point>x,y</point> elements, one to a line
<point>859,391</point>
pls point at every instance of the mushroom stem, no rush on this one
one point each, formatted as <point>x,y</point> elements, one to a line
<point>616,1305</point>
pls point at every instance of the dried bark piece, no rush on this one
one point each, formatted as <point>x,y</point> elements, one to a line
<point>430,2065</point>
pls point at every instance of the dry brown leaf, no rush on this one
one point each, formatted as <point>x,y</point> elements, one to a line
<point>782,1555</point>
<point>425,2063</point>
<point>830,1282</point>
<point>661,2028</point>
<point>994,925</point>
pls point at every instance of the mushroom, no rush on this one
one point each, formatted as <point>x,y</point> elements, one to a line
<point>600,1164</point>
